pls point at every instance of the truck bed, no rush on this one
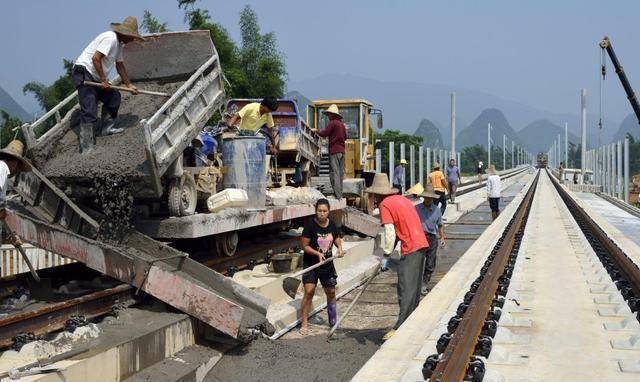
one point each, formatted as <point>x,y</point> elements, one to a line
<point>121,154</point>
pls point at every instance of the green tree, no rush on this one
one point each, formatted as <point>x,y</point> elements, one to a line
<point>397,138</point>
<point>257,68</point>
<point>6,129</point>
<point>150,24</point>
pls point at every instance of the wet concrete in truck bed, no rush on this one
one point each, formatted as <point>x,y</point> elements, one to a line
<point>121,154</point>
<point>312,358</point>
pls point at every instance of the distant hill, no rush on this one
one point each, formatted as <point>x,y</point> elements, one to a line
<point>430,134</point>
<point>628,125</point>
<point>405,103</point>
<point>476,132</point>
<point>8,104</point>
<point>539,135</point>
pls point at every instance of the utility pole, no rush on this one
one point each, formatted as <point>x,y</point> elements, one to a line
<point>583,123</point>
<point>513,165</point>
<point>626,169</point>
<point>453,123</point>
<point>504,152</point>
<point>566,145</point>
<point>488,145</point>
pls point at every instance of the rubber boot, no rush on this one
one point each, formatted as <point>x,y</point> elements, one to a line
<point>86,138</point>
<point>332,312</point>
<point>108,125</point>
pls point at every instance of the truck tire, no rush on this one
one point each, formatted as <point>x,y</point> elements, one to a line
<point>183,196</point>
<point>227,243</point>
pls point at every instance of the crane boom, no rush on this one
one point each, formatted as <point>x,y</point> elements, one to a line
<point>605,44</point>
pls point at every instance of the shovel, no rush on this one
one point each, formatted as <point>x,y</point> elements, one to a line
<point>126,89</point>
<point>22,253</point>
<point>291,283</point>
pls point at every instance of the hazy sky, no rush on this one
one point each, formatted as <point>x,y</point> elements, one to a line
<point>538,52</point>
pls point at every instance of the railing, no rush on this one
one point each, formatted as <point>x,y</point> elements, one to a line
<point>11,262</point>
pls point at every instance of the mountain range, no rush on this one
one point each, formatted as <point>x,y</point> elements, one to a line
<point>405,104</point>
<point>8,104</point>
<point>629,125</point>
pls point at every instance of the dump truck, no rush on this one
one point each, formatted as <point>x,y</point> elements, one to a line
<point>149,153</point>
<point>299,152</point>
<point>56,213</point>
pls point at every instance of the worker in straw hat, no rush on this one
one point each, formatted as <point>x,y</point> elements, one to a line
<point>336,132</point>
<point>494,188</point>
<point>439,183</point>
<point>11,164</point>
<point>400,220</point>
<point>432,226</point>
<point>398,175</point>
<point>94,64</point>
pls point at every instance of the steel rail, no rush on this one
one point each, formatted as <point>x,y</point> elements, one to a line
<point>53,317</point>
<point>627,268</point>
<point>452,366</point>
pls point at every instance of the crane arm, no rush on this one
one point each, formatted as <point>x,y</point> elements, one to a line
<point>605,44</point>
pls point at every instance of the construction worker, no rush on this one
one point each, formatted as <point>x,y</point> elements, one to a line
<point>453,179</point>
<point>439,183</point>
<point>432,226</point>
<point>480,171</point>
<point>494,188</point>
<point>337,134</point>
<point>561,172</point>
<point>400,220</point>
<point>11,164</point>
<point>398,175</point>
<point>319,236</point>
<point>94,64</point>
<point>256,117</point>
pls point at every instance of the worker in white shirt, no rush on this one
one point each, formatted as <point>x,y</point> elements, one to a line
<point>94,64</point>
<point>494,188</point>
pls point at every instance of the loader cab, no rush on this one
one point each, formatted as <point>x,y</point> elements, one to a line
<point>357,116</point>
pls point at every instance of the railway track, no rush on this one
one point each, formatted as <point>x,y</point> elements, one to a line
<point>472,333</point>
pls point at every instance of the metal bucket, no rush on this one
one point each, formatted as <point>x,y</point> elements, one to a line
<point>244,159</point>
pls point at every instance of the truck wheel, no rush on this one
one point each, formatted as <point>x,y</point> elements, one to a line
<point>183,196</point>
<point>227,243</point>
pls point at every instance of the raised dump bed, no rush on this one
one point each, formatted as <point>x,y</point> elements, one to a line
<point>148,154</point>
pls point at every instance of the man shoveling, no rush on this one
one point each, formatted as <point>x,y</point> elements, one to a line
<point>93,65</point>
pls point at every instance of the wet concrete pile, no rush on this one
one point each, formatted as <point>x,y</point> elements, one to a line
<point>120,154</point>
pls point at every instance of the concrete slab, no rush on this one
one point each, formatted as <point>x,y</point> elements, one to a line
<point>625,222</point>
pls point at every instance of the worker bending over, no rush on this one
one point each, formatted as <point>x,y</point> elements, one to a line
<point>94,64</point>
<point>337,134</point>
<point>400,221</point>
<point>256,117</point>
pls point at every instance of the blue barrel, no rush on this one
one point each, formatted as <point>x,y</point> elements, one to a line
<point>244,159</point>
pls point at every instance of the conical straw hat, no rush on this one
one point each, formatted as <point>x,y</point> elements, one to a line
<point>381,186</point>
<point>429,192</point>
<point>14,150</point>
<point>416,190</point>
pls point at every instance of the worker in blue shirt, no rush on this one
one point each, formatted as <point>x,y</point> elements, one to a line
<point>431,220</point>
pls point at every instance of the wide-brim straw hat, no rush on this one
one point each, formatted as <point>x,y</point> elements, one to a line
<point>381,186</point>
<point>333,109</point>
<point>14,150</point>
<point>492,170</point>
<point>129,27</point>
<point>429,192</point>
